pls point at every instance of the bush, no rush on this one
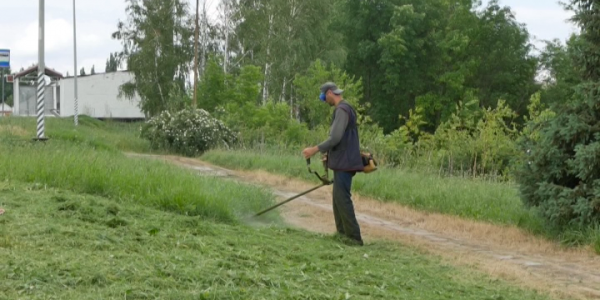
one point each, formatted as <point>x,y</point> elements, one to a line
<point>561,174</point>
<point>188,132</point>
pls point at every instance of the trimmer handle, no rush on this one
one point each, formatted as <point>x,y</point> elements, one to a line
<point>325,178</point>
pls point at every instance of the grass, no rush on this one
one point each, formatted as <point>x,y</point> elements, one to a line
<point>83,160</point>
<point>479,200</point>
<point>57,244</point>
<point>106,135</point>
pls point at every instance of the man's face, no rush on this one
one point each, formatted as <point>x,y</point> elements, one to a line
<point>329,98</point>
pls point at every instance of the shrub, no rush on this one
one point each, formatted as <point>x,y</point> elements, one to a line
<point>188,132</point>
<point>561,175</point>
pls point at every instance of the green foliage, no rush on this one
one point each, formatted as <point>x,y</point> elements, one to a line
<point>539,115</point>
<point>313,111</point>
<point>189,132</point>
<point>478,145</point>
<point>435,54</point>
<point>561,173</point>
<point>156,43</point>
<point>562,75</point>
<point>273,35</point>
<point>111,63</point>
<point>218,89</point>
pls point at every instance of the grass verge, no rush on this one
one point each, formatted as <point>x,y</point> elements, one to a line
<point>479,200</point>
<point>57,244</point>
<point>88,163</point>
<point>106,135</point>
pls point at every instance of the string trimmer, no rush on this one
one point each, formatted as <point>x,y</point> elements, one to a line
<point>324,181</point>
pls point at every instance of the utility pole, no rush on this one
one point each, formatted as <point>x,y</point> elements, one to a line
<point>41,81</point>
<point>75,116</point>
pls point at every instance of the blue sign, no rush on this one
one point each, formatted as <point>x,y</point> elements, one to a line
<point>4,58</point>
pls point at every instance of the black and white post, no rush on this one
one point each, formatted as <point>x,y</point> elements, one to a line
<point>41,81</point>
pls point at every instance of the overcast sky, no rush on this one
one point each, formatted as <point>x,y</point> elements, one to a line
<point>97,20</point>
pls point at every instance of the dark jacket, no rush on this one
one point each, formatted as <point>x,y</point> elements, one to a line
<point>345,155</point>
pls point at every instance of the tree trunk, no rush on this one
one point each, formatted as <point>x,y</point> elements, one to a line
<point>267,60</point>
<point>196,34</point>
<point>226,15</point>
<point>204,39</point>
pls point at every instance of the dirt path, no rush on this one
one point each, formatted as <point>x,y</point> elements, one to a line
<point>501,251</point>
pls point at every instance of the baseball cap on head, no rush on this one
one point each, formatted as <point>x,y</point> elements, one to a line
<point>330,86</point>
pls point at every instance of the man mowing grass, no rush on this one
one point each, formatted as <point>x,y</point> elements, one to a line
<point>342,150</point>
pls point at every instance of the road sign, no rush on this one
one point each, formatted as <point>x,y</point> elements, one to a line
<point>10,78</point>
<point>4,58</point>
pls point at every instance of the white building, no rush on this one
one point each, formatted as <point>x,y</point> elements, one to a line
<point>97,95</point>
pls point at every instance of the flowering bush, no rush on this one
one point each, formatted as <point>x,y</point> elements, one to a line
<point>189,132</point>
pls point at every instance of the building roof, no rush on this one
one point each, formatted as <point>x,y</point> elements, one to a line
<point>34,68</point>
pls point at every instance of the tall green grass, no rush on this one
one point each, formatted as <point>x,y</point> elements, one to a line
<point>84,160</point>
<point>480,200</point>
<point>107,135</point>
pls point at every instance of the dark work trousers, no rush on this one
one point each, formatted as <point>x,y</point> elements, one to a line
<point>343,209</point>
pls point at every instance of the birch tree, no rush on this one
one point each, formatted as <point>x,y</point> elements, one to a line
<point>157,49</point>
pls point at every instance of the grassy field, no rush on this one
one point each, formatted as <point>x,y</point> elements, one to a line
<point>480,200</point>
<point>84,160</point>
<point>56,244</point>
<point>83,221</point>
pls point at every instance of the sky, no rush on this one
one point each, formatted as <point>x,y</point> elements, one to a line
<point>97,20</point>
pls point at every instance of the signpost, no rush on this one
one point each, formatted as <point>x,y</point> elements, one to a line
<point>4,64</point>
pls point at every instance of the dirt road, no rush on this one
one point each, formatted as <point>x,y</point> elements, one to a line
<point>501,251</point>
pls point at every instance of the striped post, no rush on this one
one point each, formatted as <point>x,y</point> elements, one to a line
<point>41,88</point>
<point>41,82</point>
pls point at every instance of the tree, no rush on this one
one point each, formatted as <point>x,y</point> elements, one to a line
<point>157,47</point>
<point>506,68</point>
<point>273,35</point>
<point>312,110</point>
<point>557,62</point>
<point>561,171</point>
<point>93,71</point>
<point>363,23</point>
<point>111,63</point>
<point>434,54</point>
<point>82,71</point>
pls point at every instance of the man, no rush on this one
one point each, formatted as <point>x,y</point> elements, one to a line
<point>343,157</point>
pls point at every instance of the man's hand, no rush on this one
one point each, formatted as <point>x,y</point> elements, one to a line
<point>310,151</point>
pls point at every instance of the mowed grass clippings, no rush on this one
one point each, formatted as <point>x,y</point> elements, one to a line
<point>57,244</point>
